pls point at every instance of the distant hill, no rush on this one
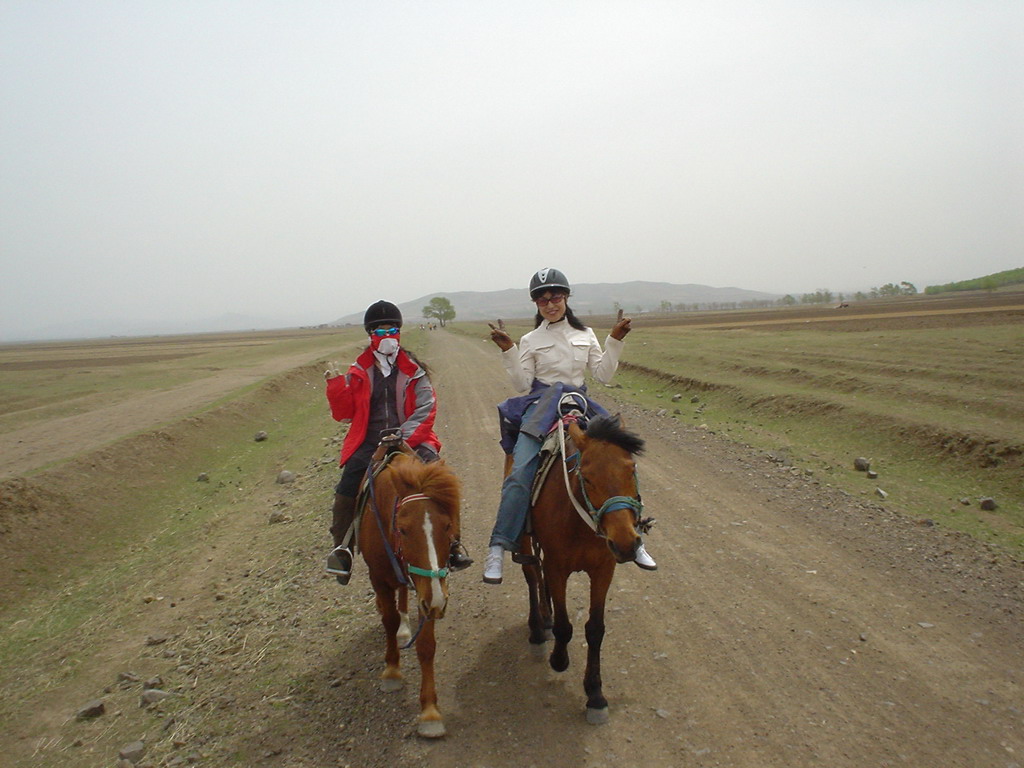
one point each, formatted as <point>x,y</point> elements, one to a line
<point>987,283</point>
<point>587,299</point>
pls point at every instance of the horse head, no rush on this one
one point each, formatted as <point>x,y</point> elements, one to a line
<point>607,482</point>
<point>427,499</point>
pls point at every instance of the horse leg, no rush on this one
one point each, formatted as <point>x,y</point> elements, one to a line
<point>391,677</point>
<point>556,583</point>
<point>540,631</point>
<point>431,725</point>
<point>597,705</point>
<point>404,634</point>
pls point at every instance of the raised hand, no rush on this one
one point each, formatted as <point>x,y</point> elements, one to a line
<point>622,326</point>
<point>500,337</point>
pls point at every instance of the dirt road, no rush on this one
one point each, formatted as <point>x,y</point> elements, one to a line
<point>788,625</point>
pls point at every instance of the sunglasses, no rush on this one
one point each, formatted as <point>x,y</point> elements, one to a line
<point>384,331</point>
<point>558,298</point>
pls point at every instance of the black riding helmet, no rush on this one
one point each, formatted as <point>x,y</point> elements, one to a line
<point>547,279</point>
<point>381,312</point>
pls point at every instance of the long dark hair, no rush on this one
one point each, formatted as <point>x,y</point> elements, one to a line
<point>420,363</point>
<point>570,318</point>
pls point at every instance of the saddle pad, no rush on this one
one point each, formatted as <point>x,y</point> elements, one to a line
<point>550,452</point>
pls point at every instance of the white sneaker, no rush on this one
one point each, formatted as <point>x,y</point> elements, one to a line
<point>494,564</point>
<point>644,560</point>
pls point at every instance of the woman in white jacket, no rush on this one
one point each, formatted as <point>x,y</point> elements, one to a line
<point>552,358</point>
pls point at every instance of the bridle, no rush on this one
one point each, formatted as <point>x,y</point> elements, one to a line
<point>440,573</point>
<point>590,513</point>
<point>394,552</point>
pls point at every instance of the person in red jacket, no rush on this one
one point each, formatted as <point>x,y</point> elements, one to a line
<point>386,388</point>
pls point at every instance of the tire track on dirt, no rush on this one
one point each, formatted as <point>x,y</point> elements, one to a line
<point>28,448</point>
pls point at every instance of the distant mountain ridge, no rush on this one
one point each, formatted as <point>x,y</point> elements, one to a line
<point>587,299</point>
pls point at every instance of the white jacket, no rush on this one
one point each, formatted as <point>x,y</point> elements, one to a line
<point>554,352</point>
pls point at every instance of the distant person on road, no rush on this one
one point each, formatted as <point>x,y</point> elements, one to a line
<point>386,388</point>
<point>549,361</point>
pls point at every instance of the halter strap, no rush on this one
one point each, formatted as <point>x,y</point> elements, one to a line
<point>592,515</point>
<point>587,517</point>
<point>440,573</point>
<point>414,497</point>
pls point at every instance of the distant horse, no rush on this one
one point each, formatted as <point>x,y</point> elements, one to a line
<point>407,525</point>
<point>586,517</point>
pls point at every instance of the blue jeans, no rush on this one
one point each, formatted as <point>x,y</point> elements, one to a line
<point>515,493</point>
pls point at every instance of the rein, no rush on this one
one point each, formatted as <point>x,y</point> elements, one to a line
<point>592,515</point>
<point>395,557</point>
<point>440,573</point>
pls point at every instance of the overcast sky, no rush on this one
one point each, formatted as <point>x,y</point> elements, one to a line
<point>181,160</point>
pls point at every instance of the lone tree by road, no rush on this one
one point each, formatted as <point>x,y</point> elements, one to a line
<point>441,309</point>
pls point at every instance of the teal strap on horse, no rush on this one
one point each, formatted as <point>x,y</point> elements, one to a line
<point>592,515</point>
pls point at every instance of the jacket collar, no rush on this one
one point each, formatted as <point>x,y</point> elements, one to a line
<point>403,363</point>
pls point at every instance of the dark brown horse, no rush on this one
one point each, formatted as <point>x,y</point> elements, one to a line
<point>585,518</point>
<point>407,526</point>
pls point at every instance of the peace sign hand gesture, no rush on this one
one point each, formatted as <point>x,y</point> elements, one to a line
<point>500,337</point>
<point>622,327</point>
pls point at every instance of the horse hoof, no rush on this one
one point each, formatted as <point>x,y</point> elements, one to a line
<point>430,729</point>
<point>538,651</point>
<point>597,716</point>
<point>389,684</point>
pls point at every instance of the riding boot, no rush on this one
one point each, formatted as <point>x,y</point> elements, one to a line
<point>458,558</point>
<point>339,561</point>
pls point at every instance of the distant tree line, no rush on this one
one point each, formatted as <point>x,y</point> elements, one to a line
<point>987,283</point>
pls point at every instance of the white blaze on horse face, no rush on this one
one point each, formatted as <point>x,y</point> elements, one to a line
<point>436,593</point>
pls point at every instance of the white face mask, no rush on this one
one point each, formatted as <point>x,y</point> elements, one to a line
<point>388,346</point>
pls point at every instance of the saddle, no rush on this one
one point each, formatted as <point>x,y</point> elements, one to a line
<point>572,408</point>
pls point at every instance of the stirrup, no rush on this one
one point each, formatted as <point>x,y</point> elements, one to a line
<point>339,562</point>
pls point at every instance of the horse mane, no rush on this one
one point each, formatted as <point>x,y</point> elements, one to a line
<point>435,480</point>
<point>610,430</point>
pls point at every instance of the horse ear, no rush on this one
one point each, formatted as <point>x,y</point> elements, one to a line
<point>577,434</point>
<point>622,421</point>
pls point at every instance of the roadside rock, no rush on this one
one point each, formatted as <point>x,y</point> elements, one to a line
<point>861,464</point>
<point>91,710</point>
<point>260,436</point>
<point>286,476</point>
<point>152,696</point>
<point>133,752</point>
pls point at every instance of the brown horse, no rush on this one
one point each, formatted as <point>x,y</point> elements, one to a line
<point>407,526</point>
<point>599,484</point>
